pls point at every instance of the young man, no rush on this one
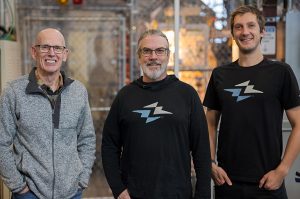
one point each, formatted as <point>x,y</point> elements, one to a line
<point>153,127</point>
<point>249,95</point>
<point>46,117</point>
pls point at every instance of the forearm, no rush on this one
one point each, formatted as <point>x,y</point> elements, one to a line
<point>9,172</point>
<point>110,161</point>
<point>291,151</point>
<point>202,163</point>
<point>293,145</point>
<point>87,157</point>
<point>212,141</point>
<point>111,153</point>
<point>203,184</point>
<point>11,176</point>
<point>212,117</point>
<point>86,147</point>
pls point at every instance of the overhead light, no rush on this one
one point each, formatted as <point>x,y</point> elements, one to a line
<point>63,2</point>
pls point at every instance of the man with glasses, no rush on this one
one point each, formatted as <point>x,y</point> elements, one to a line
<point>154,126</point>
<point>47,145</point>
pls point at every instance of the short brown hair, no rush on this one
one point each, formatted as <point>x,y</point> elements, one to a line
<point>246,9</point>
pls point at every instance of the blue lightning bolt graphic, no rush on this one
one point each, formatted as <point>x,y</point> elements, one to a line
<point>158,110</point>
<point>236,93</point>
<point>145,114</point>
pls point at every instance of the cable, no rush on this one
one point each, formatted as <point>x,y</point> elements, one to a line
<point>10,11</point>
<point>7,31</point>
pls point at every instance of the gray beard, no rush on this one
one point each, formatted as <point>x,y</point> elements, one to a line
<point>154,75</point>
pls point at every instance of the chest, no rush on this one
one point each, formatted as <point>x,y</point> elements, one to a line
<point>153,111</point>
<point>36,111</point>
<point>241,88</point>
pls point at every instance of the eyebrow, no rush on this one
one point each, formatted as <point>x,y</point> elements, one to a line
<point>248,23</point>
<point>153,49</point>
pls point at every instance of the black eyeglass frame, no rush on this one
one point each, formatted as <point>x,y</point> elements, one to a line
<point>165,51</point>
<point>56,49</point>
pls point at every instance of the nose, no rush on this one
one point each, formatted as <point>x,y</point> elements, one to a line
<point>245,31</point>
<point>51,51</point>
<point>153,55</point>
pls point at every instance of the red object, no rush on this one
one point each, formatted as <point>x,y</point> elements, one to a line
<point>77,1</point>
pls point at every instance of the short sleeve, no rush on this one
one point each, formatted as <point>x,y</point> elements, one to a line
<point>290,89</point>
<point>211,99</point>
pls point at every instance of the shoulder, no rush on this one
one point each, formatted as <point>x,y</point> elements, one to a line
<point>184,85</point>
<point>15,88</point>
<point>225,67</point>
<point>222,70</point>
<point>77,88</point>
<point>280,68</point>
<point>128,89</point>
<point>78,84</point>
<point>20,81</point>
<point>186,89</point>
<point>277,64</point>
<point>18,84</point>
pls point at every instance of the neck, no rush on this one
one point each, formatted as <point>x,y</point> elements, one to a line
<point>51,80</point>
<point>149,80</point>
<point>250,59</point>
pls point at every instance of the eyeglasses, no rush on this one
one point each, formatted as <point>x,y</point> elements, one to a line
<point>46,48</point>
<point>158,51</point>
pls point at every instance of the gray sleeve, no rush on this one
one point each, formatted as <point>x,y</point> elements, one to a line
<point>13,179</point>
<point>86,144</point>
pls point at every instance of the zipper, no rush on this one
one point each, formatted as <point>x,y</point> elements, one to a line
<point>52,103</point>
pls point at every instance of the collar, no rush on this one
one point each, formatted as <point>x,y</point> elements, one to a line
<point>34,87</point>
<point>59,83</point>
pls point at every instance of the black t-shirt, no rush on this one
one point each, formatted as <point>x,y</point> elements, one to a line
<point>251,101</point>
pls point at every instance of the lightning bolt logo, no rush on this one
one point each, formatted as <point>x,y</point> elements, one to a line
<point>236,92</point>
<point>145,113</point>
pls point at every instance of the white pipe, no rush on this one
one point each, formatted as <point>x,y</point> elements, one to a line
<point>176,35</point>
<point>290,5</point>
<point>2,13</point>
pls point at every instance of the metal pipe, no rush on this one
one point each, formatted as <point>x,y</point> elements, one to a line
<point>2,20</point>
<point>123,27</point>
<point>132,30</point>
<point>176,35</point>
<point>290,5</point>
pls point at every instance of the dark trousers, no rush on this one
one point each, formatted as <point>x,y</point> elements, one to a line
<point>31,195</point>
<point>242,190</point>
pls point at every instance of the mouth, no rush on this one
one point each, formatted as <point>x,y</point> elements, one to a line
<point>153,64</point>
<point>50,61</point>
<point>245,40</point>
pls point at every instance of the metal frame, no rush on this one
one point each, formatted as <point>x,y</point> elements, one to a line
<point>121,50</point>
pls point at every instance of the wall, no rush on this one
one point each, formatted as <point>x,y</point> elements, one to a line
<point>292,57</point>
<point>293,41</point>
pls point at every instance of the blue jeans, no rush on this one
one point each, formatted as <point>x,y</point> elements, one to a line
<point>27,195</point>
<point>31,195</point>
<point>78,195</point>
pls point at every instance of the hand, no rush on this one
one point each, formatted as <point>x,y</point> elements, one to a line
<point>273,179</point>
<point>219,175</point>
<point>124,195</point>
<point>25,190</point>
